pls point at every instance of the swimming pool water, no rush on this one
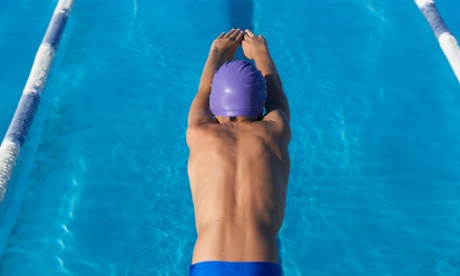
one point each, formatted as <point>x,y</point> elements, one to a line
<point>101,186</point>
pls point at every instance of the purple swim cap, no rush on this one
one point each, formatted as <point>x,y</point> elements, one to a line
<point>238,89</point>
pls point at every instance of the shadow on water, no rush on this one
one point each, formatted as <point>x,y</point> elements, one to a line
<point>240,15</point>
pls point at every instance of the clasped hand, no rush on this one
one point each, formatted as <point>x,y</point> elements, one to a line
<point>227,43</point>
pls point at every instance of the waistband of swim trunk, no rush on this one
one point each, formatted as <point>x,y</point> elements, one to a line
<point>212,263</point>
<point>273,267</point>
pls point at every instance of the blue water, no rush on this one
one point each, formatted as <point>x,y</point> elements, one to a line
<point>101,186</point>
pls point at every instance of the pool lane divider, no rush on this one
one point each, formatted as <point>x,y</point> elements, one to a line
<point>30,98</point>
<point>447,41</point>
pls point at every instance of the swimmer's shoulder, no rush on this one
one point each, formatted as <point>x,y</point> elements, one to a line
<point>205,133</point>
<point>277,116</point>
<point>278,122</point>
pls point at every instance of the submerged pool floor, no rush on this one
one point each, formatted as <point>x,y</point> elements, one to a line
<point>101,186</point>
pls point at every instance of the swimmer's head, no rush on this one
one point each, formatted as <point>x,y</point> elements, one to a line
<point>237,89</point>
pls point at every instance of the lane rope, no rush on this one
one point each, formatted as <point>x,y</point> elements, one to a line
<point>30,98</point>
<point>447,41</point>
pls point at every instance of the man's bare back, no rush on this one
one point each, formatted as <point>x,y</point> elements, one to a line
<point>239,167</point>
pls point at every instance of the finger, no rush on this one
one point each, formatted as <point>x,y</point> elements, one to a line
<point>221,35</point>
<point>262,38</point>
<point>249,33</point>
<point>239,37</point>
<point>230,33</point>
<point>235,34</point>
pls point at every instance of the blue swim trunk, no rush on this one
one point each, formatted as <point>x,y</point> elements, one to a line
<point>217,268</point>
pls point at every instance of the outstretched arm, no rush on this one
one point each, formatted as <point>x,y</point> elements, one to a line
<point>255,47</point>
<point>222,49</point>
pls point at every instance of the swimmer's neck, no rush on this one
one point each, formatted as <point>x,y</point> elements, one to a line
<point>237,119</point>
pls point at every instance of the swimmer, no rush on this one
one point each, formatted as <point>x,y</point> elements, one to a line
<point>239,161</point>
